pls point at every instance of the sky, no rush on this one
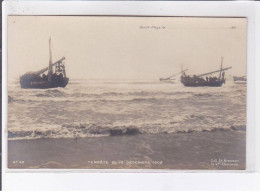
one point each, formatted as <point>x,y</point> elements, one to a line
<point>112,47</point>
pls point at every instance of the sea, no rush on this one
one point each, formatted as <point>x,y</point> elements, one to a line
<point>89,108</point>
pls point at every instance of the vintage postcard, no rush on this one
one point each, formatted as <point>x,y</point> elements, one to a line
<point>110,92</point>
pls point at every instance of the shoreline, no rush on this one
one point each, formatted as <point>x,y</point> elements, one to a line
<point>224,150</point>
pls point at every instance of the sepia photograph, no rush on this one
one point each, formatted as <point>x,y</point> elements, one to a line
<point>121,92</point>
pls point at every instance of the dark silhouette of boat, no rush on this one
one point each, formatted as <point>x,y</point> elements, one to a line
<point>40,80</point>
<point>239,79</point>
<point>201,80</point>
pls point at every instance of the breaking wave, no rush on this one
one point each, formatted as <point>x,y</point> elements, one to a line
<point>93,130</point>
<point>60,96</point>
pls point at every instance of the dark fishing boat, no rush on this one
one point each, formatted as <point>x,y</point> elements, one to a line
<point>46,78</point>
<point>239,79</point>
<point>201,80</point>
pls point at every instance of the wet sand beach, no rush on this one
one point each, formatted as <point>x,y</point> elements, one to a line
<point>218,149</point>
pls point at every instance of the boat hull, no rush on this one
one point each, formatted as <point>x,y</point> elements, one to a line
<point>44,84</point>
<point>200,82</point>
<point>239,79</point>
<point>202,85</point>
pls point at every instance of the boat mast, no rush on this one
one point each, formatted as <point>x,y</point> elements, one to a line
<point>220,68</point>
<point>50,61</point>
<point>183,71</point>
